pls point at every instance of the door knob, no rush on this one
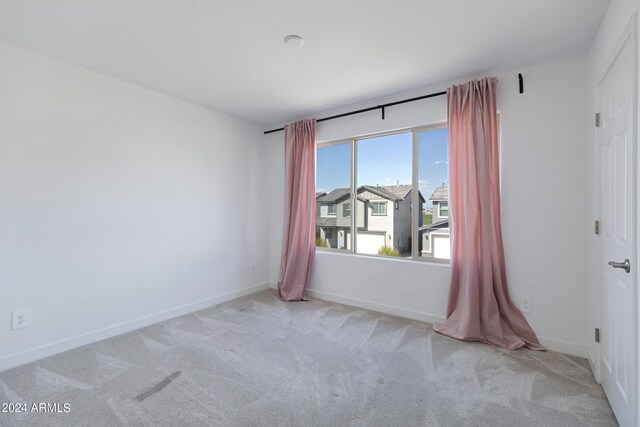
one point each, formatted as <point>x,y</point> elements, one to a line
<point>626,265</point>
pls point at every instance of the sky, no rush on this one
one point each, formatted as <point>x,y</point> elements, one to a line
<point>385,160</point>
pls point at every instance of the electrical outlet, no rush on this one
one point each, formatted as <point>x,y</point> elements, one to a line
<point>20,319</point>
<point>526,304</point>
<point>252,268</point>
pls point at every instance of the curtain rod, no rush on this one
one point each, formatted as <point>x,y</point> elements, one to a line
<point>377,107</point>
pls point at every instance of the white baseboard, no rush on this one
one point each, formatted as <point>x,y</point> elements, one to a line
<point>565,347</point>
<point>594,367</point>
<point>49,349</point>
<point>374,306</point>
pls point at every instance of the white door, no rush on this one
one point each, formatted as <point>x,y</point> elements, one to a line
<point>616,151</point>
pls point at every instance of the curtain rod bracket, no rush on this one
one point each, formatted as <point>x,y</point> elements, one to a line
<point>521,82</point>
<point>382,108</point>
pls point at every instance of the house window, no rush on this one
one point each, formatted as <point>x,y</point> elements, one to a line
<point>346,210</point>
<point>444,210</point>
<point>379,208</point>
<point>377,180</point>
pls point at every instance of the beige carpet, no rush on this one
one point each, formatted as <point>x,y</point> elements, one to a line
<point>259,361</point>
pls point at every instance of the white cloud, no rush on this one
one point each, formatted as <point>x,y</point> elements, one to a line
<point>441,162</point>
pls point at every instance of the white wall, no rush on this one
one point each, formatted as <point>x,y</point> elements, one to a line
<point>618,15</point>
<point>119,206</point>
<point>544,164</point>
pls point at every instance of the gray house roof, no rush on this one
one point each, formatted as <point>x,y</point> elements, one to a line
<point>335,195</point>
<point>441,194</point>
<point>400,191</point>
<point>389,192</point>
<point>382,192</point>
<point>326,222</point>
<point>435,226</point>
<point>320,194</point>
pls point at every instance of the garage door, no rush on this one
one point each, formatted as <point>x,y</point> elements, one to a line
<point>441,247</point>
<point>369,243</point>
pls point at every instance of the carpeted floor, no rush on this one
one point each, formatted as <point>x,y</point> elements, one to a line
<point>259,361</point>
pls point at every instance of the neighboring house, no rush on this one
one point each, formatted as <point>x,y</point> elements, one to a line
<point>318,195</point>
<point>333,218</point>
<point>383,218</point>
<point>435,242</point>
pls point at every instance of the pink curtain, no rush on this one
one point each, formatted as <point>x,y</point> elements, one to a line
<point>298,239</point>
<point>480,308</point>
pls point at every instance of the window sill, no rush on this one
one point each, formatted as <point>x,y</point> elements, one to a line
<point>425,260</point>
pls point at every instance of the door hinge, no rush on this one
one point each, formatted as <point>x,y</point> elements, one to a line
<point>597,335</point>
<point>597,227</point>
<point>597,120</point>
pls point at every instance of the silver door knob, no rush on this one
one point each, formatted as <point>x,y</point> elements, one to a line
<point>626,265</point>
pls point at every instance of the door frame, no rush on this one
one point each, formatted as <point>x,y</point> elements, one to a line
<point>628,36</point>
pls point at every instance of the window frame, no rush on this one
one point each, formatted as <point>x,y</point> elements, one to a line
<point>346,212</point>
<point>440,210</point>
<point>335,209</point>
<point>415,199</point>
<point>378,203</point>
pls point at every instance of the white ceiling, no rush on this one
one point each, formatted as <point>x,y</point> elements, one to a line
<point>229,55</point>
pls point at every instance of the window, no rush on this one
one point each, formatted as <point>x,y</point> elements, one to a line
<point>433,182</point>
<point>372,211</point>
<point>346,209</point>
<point>383,177</point>
<point>333,188</point>
<point>379,208</point>
<point>444,210</point>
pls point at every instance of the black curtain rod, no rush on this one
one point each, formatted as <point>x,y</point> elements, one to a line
<point>377,107</point>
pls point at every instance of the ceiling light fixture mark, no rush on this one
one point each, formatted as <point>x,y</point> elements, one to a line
<point>293,40</point>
